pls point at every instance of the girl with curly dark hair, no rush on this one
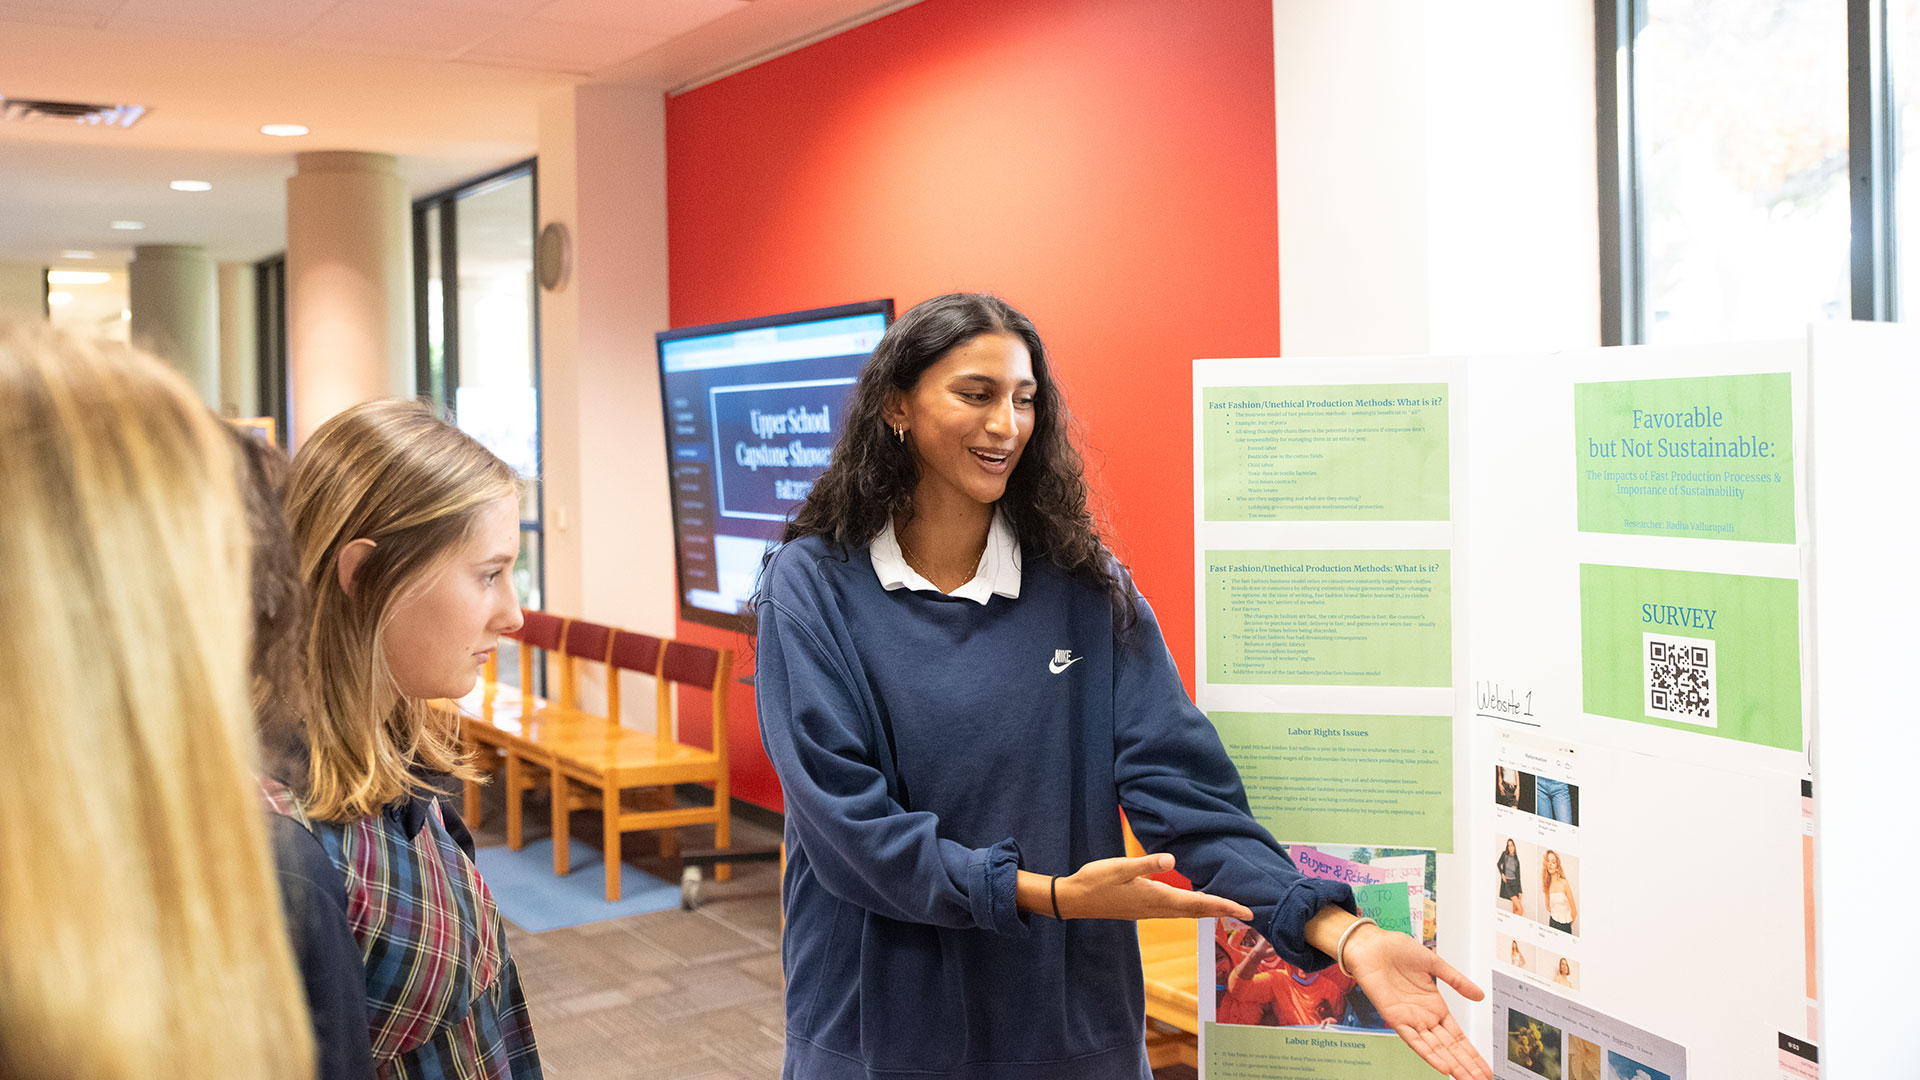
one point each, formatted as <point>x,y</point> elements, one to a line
<point>958,686</point>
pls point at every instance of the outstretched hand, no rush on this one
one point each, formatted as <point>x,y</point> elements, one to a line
<point>1125,889</point>
<point>1399,975</point>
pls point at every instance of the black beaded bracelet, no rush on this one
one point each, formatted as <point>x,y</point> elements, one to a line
<point>1053,894</point>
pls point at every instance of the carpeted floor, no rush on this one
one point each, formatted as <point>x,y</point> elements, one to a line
<point>668,995</point>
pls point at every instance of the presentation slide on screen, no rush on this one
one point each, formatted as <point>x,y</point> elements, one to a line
<point>752,419</point>
<point>1583,706</point>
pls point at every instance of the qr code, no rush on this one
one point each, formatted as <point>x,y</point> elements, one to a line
<point>1680,679</point>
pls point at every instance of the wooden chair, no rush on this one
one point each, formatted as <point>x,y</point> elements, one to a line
<point>604,758</point>
<point>583,642</point>
<point>538,630</point>
<point>641,653</point>
<point>630,652</point>
<point>497,719</point>
<point>529,761</point>
<point>626,651</point>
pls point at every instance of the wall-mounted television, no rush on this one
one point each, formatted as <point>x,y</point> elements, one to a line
<point>753,409</point>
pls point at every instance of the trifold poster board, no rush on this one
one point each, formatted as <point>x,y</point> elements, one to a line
<point>1522,647</point>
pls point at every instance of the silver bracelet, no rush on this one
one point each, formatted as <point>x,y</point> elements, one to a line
<point>1340,947</point>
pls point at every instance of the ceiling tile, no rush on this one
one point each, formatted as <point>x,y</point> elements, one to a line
<point>277,19</point>
<point>666,18</point>
<point>553,47</point>
<point>405,31</point>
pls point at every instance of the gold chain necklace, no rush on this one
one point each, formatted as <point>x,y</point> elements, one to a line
<point>906,553</point>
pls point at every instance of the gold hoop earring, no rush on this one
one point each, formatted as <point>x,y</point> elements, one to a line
<point>901,434</point>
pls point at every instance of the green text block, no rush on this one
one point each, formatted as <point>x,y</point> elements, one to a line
<point>1243,1052</point>
<point>1707,457</point>
<point>1376,780</point>
<point>1325,453</point>
<point>1728,660</point>
<point>1344,618</point>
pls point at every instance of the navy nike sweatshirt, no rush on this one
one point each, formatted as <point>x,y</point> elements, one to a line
<point>930,747</point>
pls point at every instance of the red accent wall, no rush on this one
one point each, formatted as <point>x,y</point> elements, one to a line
<point>1107,166</point>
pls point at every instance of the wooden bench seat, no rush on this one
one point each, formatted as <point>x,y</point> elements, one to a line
<point>593,761</point>
<point>492,716</point>
<point>602,766</point>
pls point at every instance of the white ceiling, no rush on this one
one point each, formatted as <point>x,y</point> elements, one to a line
<point>450,86</point>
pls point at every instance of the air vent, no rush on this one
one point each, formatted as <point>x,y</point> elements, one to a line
<point>31,111</point>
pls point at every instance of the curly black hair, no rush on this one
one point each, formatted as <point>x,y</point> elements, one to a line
<point>872,476</point>
<point>279,655</point>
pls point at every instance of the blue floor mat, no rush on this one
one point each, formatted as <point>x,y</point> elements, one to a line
<point>533,898</point>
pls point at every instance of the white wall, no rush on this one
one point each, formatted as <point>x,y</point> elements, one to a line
<point>1350,120</point>
<point>1437,176</point>
<point>609,533</point>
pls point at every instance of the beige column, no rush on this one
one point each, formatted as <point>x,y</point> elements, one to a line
<point>603,174</point>
<point>239,343</point>
<point>23,290</point>
<point>349,285</point>
<point>170,291</point>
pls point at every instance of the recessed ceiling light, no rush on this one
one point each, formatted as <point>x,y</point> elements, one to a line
<point>77,254</point>
<point>78,277</point>
<point>58,298</point>
<point>190,185</point>
<point>126,315</point>
<point>129,224</point>
<point>285,131</point>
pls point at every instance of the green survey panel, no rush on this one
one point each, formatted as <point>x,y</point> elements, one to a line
<point>1368,452</point>
<point>1717,654</point>
<point>1334,618</point>
<point>1708,457</point>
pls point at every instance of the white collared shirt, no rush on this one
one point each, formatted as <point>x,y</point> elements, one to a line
<point>999,572</point>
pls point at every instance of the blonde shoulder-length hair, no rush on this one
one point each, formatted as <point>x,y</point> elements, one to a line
<point>141,931</point>
<point>391,472</point>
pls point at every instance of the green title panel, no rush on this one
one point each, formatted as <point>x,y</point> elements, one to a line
<point>1325,453</point>
<point>1245,1052</point>
<point>1713,653</point>
<point>1341,618</point>
<point>1379,780</point>
<point>1707,457</point>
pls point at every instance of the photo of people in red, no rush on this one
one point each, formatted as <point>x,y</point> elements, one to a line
<point>1254,986</point>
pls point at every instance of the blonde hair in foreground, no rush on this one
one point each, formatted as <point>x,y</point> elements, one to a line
<point>141,932</point>
<point>394,473</point>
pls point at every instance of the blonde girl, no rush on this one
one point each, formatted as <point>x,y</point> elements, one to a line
<point>407,531</point>
<point>140,926</point>
<point>1562,910</point>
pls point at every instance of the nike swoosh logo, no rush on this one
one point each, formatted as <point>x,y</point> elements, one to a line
<point>1058,666</point>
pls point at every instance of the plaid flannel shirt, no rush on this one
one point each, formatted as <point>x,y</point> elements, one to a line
<point>443,999</point>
